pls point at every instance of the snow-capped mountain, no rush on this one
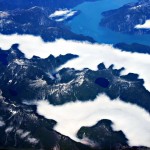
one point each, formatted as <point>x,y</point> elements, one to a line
<point>132,18</point>
<point>60,89</point>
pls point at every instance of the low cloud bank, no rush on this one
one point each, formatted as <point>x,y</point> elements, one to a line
<point>146,25</point>
<point>90,54</point>
<point>61,15</point>
<point>131,119</point>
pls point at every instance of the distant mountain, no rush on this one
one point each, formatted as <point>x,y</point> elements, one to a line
<point>50,4</point>
<point>134,47</point>
<point>36,21</point>
<point>127,17</point>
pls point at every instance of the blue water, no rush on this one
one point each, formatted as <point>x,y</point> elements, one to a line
<point>102,82</point>
<point>87,23</point>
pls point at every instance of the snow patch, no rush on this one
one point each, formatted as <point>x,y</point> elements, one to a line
<point>13,111</point>
<point>3,14</point>
<point>61,15</point>
<point>146,25</point>
<point>38,83</point>
<point>22,134</point>
<point>9,129</point>
<point>19,62</point>
<point>2,123</point>
<point>26,135</point>
<point>136,7</point>
<point>32,140</point>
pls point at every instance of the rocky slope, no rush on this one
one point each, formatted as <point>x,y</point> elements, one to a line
<point>39,78</point>
<point>126,18</point>
<point>36,21</point>
<point>52,4</point>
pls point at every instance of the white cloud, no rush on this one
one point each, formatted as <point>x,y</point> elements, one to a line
<point>62,14</point>
<point>131,119</point>
<point>59,13</point>
<point>146,25</point>
<point>90,54</point>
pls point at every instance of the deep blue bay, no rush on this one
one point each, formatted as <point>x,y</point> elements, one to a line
<point>102,82</point>
<point>87,23</point>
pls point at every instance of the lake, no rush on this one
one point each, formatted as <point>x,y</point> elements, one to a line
<point>87,23</point>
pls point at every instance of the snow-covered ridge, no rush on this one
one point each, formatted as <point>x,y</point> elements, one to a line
<point>61,15</point>
<point>146,25</point>
<point>136,7</point>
